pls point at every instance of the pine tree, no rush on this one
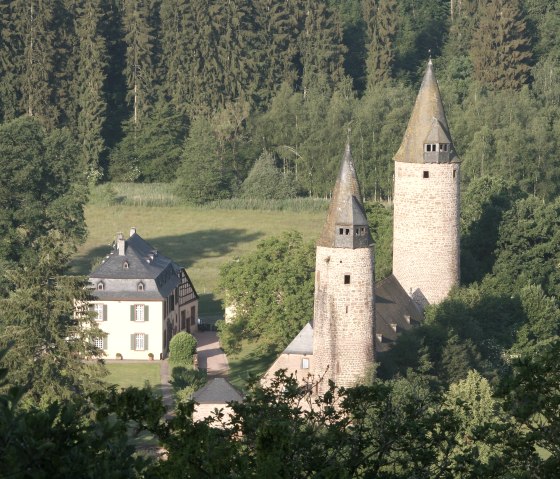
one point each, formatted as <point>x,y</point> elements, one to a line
<point>500,47</point>
<point>381,20</point>
<point>91,77</point>
<point>320,45</point>
<point>139,69</point>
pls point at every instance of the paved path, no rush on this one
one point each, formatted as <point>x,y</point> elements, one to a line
<point>166,388</point>
<point>210,356</point>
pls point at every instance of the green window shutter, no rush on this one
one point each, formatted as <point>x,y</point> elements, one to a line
<point>146,313</point>
<point>132,341</point>
<point>145,342</point>
<point>132,312</point>
<point>104,342</point>
<point>104,312</point>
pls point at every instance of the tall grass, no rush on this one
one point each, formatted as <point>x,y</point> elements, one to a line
<point>134,194</point>
<point>163,195</point>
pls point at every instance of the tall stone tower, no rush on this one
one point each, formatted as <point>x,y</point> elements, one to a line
<point>343,319</point>
<point>426,201</point>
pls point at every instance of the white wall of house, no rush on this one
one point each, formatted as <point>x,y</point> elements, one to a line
<point>117,324</point>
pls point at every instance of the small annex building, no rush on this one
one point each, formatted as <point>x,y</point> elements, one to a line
<point>215,394</point>
<point>141,299</point>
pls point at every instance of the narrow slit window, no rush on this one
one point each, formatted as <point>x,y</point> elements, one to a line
<point>346,279</point>
<point>454,173</point>
<point>426,174</point>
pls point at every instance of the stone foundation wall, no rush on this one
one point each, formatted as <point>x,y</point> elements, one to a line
<point>426,229</point>
<point>343,322</point>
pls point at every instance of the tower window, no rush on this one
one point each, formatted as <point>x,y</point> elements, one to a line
<point>304,363</point>
<point>347,231</point>
<point>454,173</point>
<point>434,148</point>
<point>428,147</point>
<point>346,279</point>
<point>340,231</point>
<point>346,309</point>
<point>426,174</point>
<point>445,147</point>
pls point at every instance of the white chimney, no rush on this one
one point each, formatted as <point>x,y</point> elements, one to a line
<point>132,231</point>
<point>121,244</point>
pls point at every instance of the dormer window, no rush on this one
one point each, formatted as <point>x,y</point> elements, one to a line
<point>100,286</point>
<point>140,286</point>
<point>125,265</point>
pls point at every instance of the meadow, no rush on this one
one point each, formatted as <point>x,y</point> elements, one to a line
<point>200,238</point>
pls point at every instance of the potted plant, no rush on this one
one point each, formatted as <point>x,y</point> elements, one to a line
<point>151,356</point>
<point>119,356</point>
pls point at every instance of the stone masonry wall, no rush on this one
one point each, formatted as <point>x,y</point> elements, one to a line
<point>426,229</point>
<point>343,319</point>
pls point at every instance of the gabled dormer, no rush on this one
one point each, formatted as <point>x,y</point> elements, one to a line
<point>437,145</point>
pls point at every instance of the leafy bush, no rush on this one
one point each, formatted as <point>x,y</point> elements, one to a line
<point>182,348</point>
<point>186,381</point>
<point>266,180</point>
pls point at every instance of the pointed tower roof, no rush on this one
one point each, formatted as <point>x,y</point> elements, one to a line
<point>427,120</point>
<point>346,207</point>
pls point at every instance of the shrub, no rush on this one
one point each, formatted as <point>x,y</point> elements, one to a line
<point>182,348</point>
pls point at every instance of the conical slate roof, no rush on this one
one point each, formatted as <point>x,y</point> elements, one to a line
<point>345,207</point>
<point>427,109</point>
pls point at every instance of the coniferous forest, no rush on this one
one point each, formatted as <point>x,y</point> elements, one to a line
<point>256,99</point>
<point>151,90</point>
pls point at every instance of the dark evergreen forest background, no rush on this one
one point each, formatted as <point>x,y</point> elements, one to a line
<point>195,91</point>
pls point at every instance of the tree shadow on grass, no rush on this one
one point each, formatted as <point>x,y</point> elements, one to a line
<point>182,249</point>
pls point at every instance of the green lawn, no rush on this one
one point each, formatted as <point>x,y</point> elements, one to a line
<point>250,361</point>
<point>126,374</point>
<point>200,239</point>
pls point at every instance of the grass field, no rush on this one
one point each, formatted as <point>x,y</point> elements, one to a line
<point>125,374</point>
<point>200,239</point>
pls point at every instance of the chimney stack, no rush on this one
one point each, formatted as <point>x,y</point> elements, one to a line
<point>121,244</point>
<point>132,231</point>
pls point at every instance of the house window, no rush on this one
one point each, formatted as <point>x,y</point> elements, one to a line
<point>98,308</point>
<point>346,279</point>
<point>125,265</point>
<point>98,343</point>
<point>100,286</point>
<point>426,174</point>
<point>140,286</point>
<point>139,341</point>
<point>304,363</point>
<point>138,312</point>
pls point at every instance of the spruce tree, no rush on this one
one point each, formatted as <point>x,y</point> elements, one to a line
<point>139,70</point>
<point>34,19</point>
<point>500,47</point>
<point>277,31</point>
<point>91,77</point>
<point>381,21</point>
<point>320,45</point>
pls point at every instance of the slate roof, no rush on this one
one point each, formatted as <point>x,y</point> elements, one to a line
<point>392,308</point>
<point>428,107</point>
<point>345,207</point>
<point>302,343</point>
<point>217,391</point>
<point>145,264</point>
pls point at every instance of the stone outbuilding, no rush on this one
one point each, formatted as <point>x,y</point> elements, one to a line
<point>215,394</point>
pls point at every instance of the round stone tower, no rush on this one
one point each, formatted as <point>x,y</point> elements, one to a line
<point>426,201</point>
<point>343,319</point>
